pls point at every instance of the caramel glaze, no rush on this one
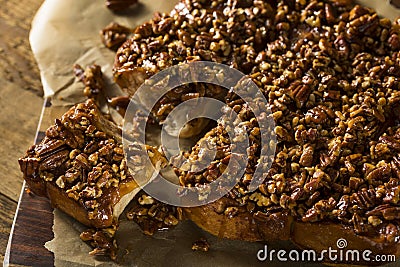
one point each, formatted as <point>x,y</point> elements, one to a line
<point>59,199</point>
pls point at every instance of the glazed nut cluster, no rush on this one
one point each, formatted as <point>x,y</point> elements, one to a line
<point>152,215</point>
<point>102,241</point>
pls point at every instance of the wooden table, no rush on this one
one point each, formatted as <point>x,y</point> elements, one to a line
<point>20,103</point>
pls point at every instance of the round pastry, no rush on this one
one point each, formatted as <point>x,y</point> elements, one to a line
<point>329,71</point>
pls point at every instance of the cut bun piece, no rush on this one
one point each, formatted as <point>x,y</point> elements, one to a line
<point>80,167</point>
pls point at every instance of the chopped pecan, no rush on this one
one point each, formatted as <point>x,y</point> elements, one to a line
<point>390,142</point>
<point>119,5</point>
<point>364,198</point>
<point>382,173</point>
<point>358,224</point>
<point>152,215</point>
<point>54,161</point>
<point>301,93</point>
<point>92,78</point>
<point>201,245</point>
<point>391,233</point>
<point>114,35</point>
<point>307,156</point>
<point>395,164</point>
<point>102,241</point>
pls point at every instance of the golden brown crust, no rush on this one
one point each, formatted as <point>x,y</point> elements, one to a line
<point>325,235</point>
<point>317,236</point>
<point>106,214</point>
<point>58,199</point>
<point>242,225</point>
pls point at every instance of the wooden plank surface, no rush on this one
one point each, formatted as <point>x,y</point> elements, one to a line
<point>6,218</point>
<point>20,103</point>
<point>33,227</point>
<point>21,91</point>
<point>34,219</point>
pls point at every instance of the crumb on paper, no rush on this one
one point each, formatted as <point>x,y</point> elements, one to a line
<point>119,5</point>
<point>114,35</point>
<point>201,245</point>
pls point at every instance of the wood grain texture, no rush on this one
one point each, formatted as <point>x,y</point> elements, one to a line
<point>32,229</point>
<point>21,90</point>
<point>6,219</point>
<point>20,103</point>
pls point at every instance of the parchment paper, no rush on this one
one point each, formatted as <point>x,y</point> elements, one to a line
<point>169,248</point>
<point>67,32</point>
<point>382,7</point>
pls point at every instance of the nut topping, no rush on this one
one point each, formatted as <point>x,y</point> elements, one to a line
<point>329,71</point>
